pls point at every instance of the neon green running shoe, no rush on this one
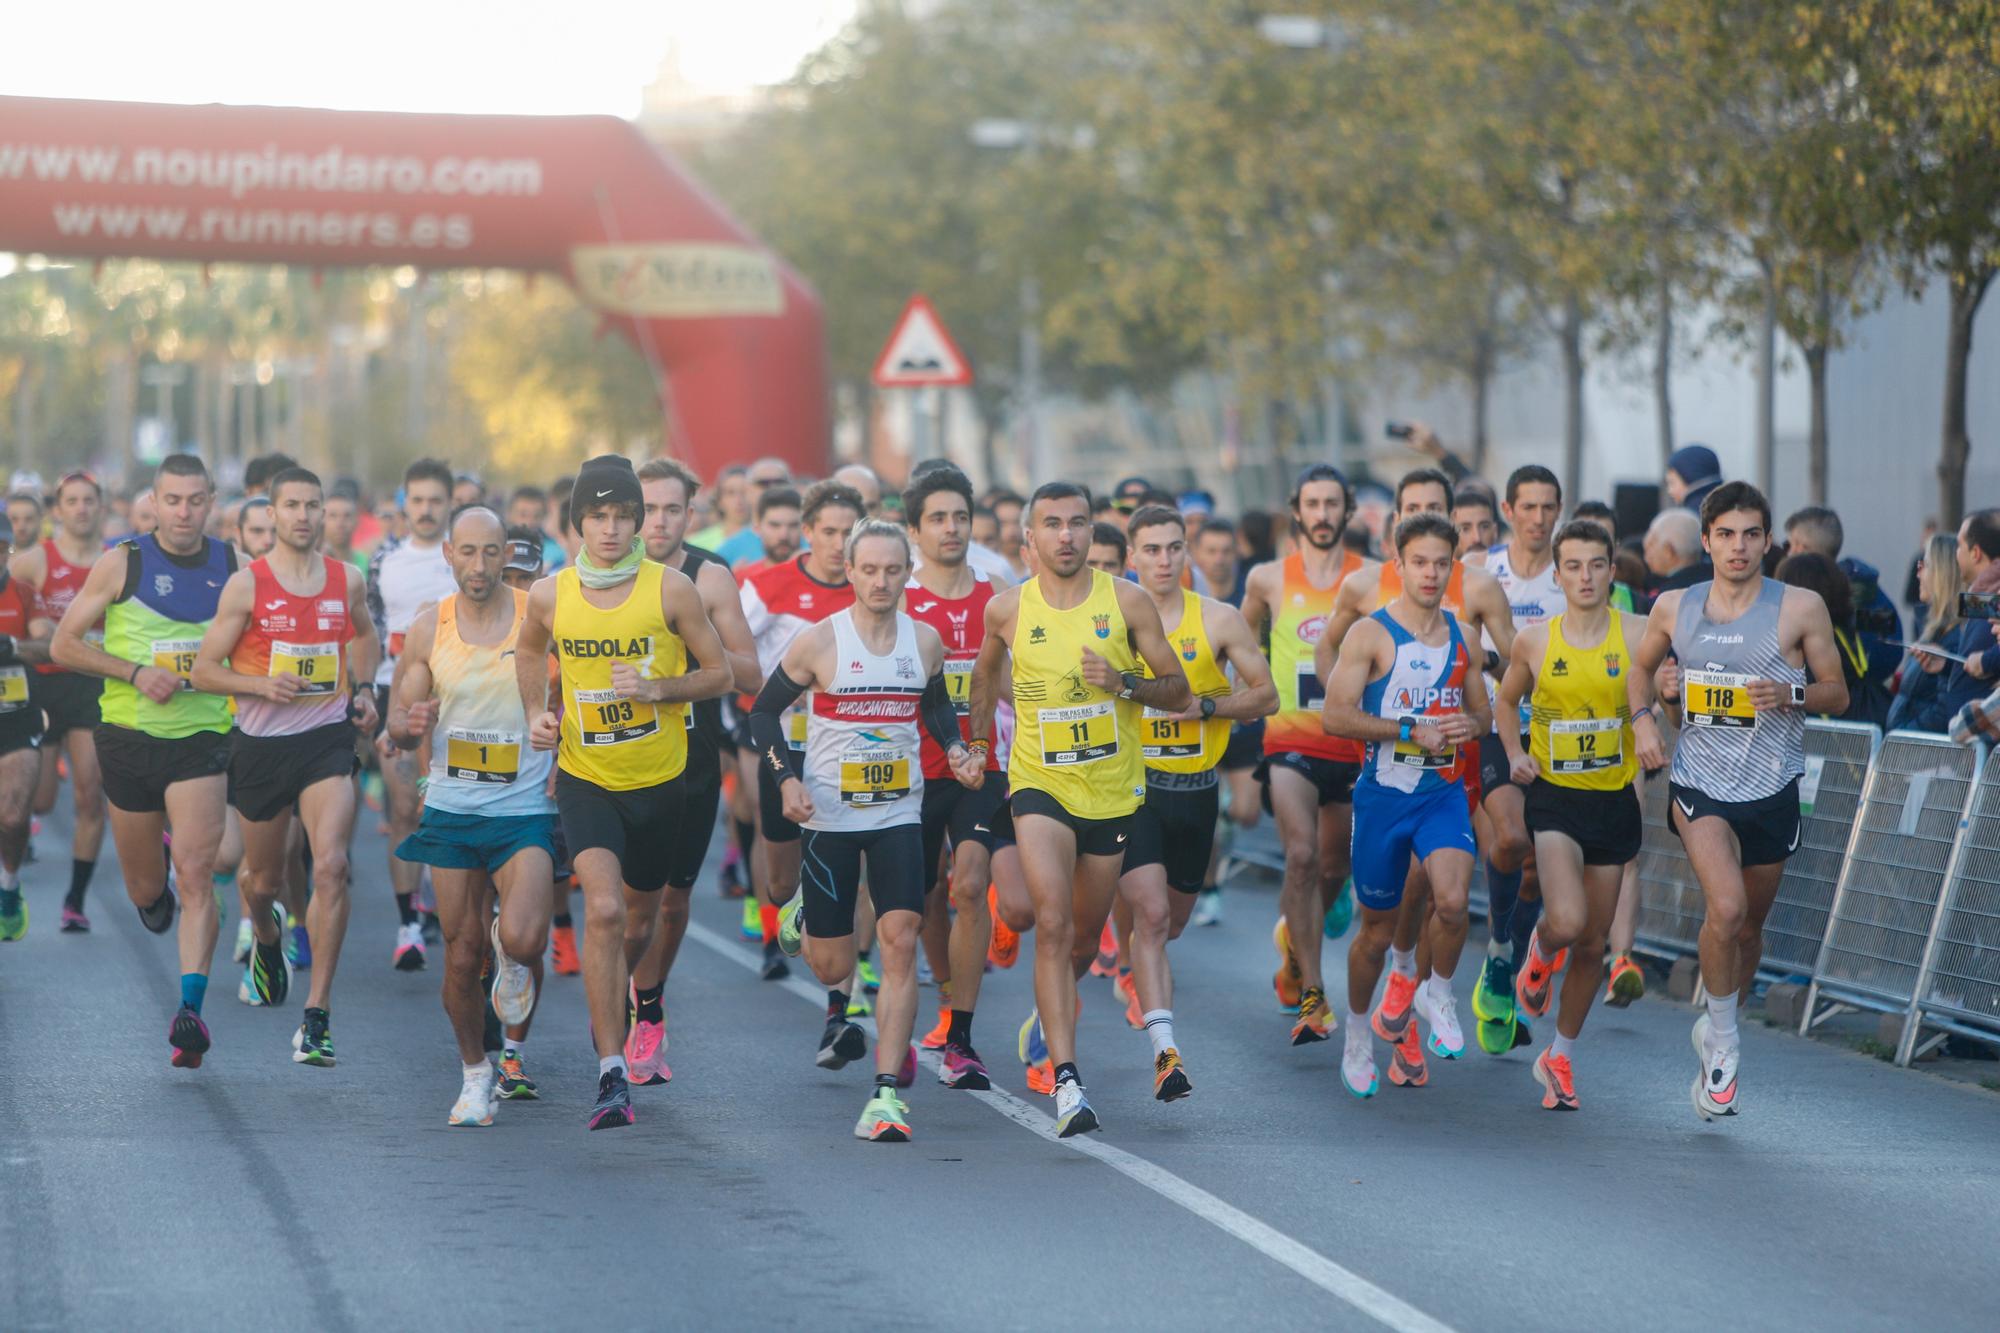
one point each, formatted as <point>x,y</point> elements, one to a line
<point>885,1119</point>
<point>1493,1006</point>
<point>871,979</point>
<point>1341,915</point>
<point>859,1005</point>
<point>791,924</point>
<point>13,915</point>
<point>753,918</point>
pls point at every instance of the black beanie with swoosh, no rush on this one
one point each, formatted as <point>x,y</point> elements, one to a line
<point>605,479</point>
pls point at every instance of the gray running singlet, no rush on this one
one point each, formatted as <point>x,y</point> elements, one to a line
<point>1728,750</point>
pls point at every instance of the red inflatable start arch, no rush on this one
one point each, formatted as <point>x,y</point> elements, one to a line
<point>733,333</point>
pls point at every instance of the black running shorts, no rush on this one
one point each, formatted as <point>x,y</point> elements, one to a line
<point>771,821</point>
<point>1333,779</point>
<point>703,780</point>
<point>960,815</point>
<point>1494,771</point>
<point>1767,829</point>
<point>1245,748</point>
<point>1605,824</point>
<point>644,828</point>
<point>1175,828</point>
<point>830,869</point>
<point>1094,837</point>
<point>70,700</point>
<point>21,730</point>
<point>268,773</point>
<point>139,768</point>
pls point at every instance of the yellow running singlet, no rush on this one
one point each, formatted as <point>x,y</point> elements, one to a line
<point>619,744</point>
<point>1072,740</point>
<point>1174,745</point>
<point>1581,728</point>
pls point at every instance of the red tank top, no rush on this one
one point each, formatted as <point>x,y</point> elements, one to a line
<point>17,608</point>
<point>306,636</point>
<point>961,623</point>
<point>60,585</point>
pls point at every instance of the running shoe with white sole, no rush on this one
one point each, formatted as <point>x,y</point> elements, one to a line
<point>1073,1113</point>
<point>1536,980</point>
<point>515,1085</point>
<point>1208,908</point>
<point>1030,1046</point>
<point>1558,1081</point>
<point>792,924</point>
<point>885,1119</point>
<point>475,1099</point>
<point>614,1102</point>
<point>1714,1091</point>
<point>410,947</point>
<point>962,1069</point>
<point>840,1044</point>
<point>1357,1069</point>
<point>1441,1017</point>
<point>312,1044</point>
<point>513,984</point>
<point>188,1035</point>
<point>245,937</point>
<point>268,975</point>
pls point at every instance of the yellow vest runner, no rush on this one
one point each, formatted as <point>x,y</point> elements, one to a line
<point>1072,740</point>
<point>619,744</point>
<point>1172,744</point>
<point>1581,728</point>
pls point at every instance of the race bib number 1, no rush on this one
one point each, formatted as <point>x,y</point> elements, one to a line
<point>604,718</point>
<point>482,756</point>
<point>1080,735</point>
<point>317,665</point>
<point>1717,699</point>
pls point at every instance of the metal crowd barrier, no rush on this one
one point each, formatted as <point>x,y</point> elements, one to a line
<point>1904,850</point>
<point>1670,905</point>
<point>1958,982</point>
<point>1838,756</point>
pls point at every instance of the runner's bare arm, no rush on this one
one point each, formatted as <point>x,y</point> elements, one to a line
<point>724,605</point>
<point>69,648</point>
<point>1357,592</point>
<point>1477,719</point>
<point>31,567</point>
<point>212,673</point>
<point>412,711</point>
<point>1647,658</point>
<point>1255,694</point>
<point>1518,684</point>
<point>1814,629</point>
<point>1486,603</point>
<point>983,690</point>
<point>1258,598</point>
<point>364,650</point>
<point>1368,651</point>
<point>804,667</point>
<point>1167,689</point>
<point>34,649</point>
<point>531,664</point>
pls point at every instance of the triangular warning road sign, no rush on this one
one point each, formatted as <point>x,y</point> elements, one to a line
<point>920,353</point>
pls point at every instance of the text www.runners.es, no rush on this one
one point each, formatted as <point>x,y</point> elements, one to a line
<point>265,226</point>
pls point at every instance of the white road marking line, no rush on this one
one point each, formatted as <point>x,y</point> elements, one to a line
<point>1314,1267</point>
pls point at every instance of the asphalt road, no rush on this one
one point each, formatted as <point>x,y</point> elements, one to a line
<point>1848,1195</point>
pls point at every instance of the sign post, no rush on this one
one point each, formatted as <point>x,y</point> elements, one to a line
<point>921,355</point>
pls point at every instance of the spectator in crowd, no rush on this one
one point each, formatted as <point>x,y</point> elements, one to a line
<point>862,478</point>
<point>1922,702</point>
<point>257,473</point>
<point>762,476</point>
<point>732,509</point>
<point>1007,507</point>
<point>986,527</point>
<point>467,490</point>
<point>343,517</point>
<point>1673,551</point>
<point>1978,555</point>
<point>1196,506</point>
<point>1692,472</point>
<point>1623,595</point>
<point>1373,504</point>
<point>1216,559</point>
<point>1818,530</point>
<point>145,514</point>
<point>527,507</point>
<point>1867,677</point>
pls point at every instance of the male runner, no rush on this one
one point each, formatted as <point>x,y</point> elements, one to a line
<point>488,824</point>
<point>404,578</point>
<point>624,630</point>
<point>343,519</point>
<point>948,595</point>
<point>289,639</point>
<point>164,745</point>
<point>779,533</point>
<point>1525,565</point>
<point>1311,774</point>
<point>1745,647</point>
<point>779,603</point>
<point>256,528</point>
<point>1408,684</point>
<point>54,571</point>
<point>670,488</point>
<point>1581,806</point>
<point>1475,598</point>
<point>1173,832</point>
<point>1077,637</point>
<point>1477,519</point>
<point>858,794</point>
<point>24,643</point>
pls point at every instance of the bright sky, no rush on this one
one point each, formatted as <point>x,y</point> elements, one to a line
<point>501,56</point>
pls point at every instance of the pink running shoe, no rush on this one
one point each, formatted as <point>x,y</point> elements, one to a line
<point>646,1055</point>
<point>74,922</point>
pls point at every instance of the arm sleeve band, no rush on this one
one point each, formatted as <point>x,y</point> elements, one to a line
<point>767,727</point>
<point>940,717</point>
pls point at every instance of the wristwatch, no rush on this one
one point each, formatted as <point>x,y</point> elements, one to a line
<point>1798,696</point>
<point>1406,727</point>
<point>1129,681</point>
<point>1207,708</point>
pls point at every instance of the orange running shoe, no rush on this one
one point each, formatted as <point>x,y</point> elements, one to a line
<point>1315,1017</point>
<point>1535,980</point>
<point>1042,1078</point>
<point>1006,946</point>
<point>1392,1017</point>
<point>1107,952</point>
<point>1286,980</point>
<point>562,948</point>
<point>1558,1084</point>
<point>1170,1080</point>
<point>1406,1062</point>
<point>935,1038</point>
<point>1129,988</point>
<point>1626,984</point>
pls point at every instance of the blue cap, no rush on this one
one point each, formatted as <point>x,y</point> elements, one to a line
<point>1695,464</point>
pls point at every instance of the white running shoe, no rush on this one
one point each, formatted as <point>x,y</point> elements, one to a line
<point>513,984</point>
<point>1357,1068</point>
<point>246,992</point>
<point>475,1099</point>
<point>1446,1040</point>
<point>1714,1090</point>
<point>244,938</point>
<point>1208,908</point>
<point>409,955</point>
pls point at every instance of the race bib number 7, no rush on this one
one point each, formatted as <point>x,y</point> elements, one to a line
<point>958,684</point>
<point>317,665</point>
<point>1080,735</point>
<point>1717,699</point>
<point>604,718</point>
